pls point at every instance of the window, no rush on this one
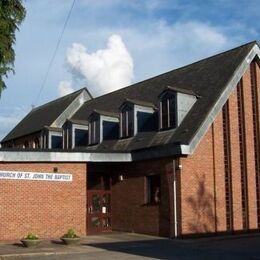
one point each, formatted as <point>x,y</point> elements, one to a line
<point>56,142</point>
<point>81,137</point>
<point>168,112</point>
<point>127,127</point>
<point>110,130</point>
<point>93,132</point>
<point>146,121</point>
<point>153,191</point>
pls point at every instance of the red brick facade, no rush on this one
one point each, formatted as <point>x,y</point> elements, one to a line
<point>203,191</point>
<point>130,211</point>
<point>45,208</point>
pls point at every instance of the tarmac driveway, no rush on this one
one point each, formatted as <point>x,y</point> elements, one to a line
<point>134,246</point>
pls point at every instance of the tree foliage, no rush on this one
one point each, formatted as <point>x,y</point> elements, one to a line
<point>12,13</point>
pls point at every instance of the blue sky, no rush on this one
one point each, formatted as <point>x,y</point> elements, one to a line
<point>149,37</point>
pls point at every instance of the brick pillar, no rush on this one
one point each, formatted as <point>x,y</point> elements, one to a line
<point>235,161</point>
<point>250,151</point>
<point>219,174</point>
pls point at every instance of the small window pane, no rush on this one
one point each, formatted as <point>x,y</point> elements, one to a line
<point>93,132</point>
<point>124,132</point>
<point>172,111</point>
<point>164,113</point>
<point>110,130</point>
<point>81,137</point>
<point>130,123</point>
<point>145,122</point>
<point>56,142</point>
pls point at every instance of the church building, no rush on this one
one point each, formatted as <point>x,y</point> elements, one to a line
<point>175,155</point>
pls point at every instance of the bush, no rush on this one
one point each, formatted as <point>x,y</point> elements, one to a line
<point>31,236</point>
<point>70,234</point>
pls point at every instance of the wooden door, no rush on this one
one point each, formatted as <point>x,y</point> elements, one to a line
<point>99,211</point>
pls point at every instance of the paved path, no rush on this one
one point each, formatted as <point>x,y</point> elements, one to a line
<point>133,246</point>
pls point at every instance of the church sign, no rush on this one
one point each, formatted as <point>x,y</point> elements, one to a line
<point>35,176</point>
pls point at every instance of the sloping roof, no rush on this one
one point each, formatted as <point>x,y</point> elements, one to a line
<point>207,78</point>
<point>42,116</point>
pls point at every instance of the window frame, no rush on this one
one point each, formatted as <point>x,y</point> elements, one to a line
<point>148,190</point>
<point>169,125</point>
<point>58,134</point>
<point>131,110</point>
<point>107,119</point>
<point>78,127</point>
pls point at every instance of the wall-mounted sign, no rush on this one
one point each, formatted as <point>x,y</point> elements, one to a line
<point>35,176</point>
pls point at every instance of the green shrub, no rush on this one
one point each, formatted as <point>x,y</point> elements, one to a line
<point>31,236</point>
<point>70,234</point>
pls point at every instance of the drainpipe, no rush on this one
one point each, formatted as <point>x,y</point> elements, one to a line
<point>175,219</point>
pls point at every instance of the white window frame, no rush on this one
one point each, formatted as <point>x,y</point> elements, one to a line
<point>108,119</point>
<point>53,133</point>
<point>74,127</point>
<point>138,108</point>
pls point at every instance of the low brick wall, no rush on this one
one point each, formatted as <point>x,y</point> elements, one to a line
<point>47,208</point>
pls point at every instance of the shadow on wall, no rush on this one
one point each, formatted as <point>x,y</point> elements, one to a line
<point>202,204</point>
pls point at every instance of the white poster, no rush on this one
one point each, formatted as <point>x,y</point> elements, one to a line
<point>35,176</point>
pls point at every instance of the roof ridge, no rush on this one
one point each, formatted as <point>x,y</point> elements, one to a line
<point>170,71</point>
<point>57,99</point>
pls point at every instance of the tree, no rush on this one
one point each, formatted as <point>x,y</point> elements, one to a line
<point>12,13</point>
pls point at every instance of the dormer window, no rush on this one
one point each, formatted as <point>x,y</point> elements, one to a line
<point>55,140</point>
<point>75,133</point>
<point>136,116</point>
<point>103,126</point>
<point>174,104</point>
<point>52,138</point>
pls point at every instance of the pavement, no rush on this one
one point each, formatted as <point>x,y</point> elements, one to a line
<point>136,246</point>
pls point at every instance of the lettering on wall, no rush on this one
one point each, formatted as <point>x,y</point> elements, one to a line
<point>35,176</point>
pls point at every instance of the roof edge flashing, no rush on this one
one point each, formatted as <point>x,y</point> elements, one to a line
<point>71,109</point>
<point>230,86</point>
<point>38,156</point>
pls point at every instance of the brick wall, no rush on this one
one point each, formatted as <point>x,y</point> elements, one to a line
<point>129,211</point>
<point>44,207</point>
<point>202,178</point>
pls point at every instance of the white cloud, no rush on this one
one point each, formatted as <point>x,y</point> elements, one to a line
<point>65,88</point>
<point>106,69</point>
<point>159,46</point>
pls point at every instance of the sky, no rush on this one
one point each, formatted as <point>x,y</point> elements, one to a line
<point>110,44</point>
